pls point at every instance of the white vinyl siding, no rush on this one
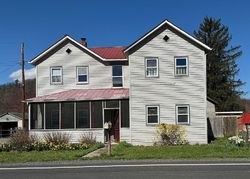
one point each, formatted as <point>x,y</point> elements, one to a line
<point>152,115</point>
<point>100,74</point>
<point>82,74</point>
<point>56,75</point>
<point>181,66</point>
<point>117,76</point>
<point>168,90</point>
<point>182,114</point>
<point>152,69</point>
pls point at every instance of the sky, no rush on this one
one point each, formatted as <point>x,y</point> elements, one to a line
<point>39,24</point>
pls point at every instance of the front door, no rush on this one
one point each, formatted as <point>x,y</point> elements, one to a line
<point>112,115</point>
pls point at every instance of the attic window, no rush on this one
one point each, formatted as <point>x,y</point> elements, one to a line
<point>68,51</point>
<point>166,38</point>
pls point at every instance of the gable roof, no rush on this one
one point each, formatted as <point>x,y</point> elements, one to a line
<point>110,53</point>
<point>158,29</point>
<point>103,54</point>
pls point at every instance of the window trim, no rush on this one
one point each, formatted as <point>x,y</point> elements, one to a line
<point>77,75</point>
<point>188,113</point>
<point>158,114</point>
<point>187,65</point>
<point>51,69</point>
<point>118,76</point>
<point>157,67</point>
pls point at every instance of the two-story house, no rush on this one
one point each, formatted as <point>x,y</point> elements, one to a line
<point>160,78</point>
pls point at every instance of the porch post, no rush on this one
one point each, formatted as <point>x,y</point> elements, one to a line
<point>29,116</point>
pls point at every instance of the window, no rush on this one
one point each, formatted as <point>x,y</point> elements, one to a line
<point>124,113</point>
<point>112,104</point>
<point>152,114</point>
<point>182,114</point>
<point>82,114</point>
<point>152,67</point>
<point>56,75</point>
<point>96,114</point>
<point>52,115</point>
<point>117,76</point>
<point>37,116</point>
<point>67,115</point>
<point>82,74</point>
<point>181,66</point>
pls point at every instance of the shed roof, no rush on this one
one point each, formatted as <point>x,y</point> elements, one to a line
<point>84,95</point>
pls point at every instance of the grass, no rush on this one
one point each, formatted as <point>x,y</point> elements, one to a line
<point>39,156</point>
<point>220,148</point>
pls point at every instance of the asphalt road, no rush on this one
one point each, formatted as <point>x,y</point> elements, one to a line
<point>144,170</point>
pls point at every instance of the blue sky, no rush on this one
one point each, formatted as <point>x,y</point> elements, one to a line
<point>110,23</point>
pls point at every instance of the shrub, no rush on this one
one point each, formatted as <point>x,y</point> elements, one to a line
<point>171,134</point>
<point>237,140</point>
<point>57,138</point>
<point>20,139</point>
<point>87,138</point>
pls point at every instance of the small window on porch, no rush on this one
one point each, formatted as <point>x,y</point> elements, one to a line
<point>37,116</point>
<point>96,114</point>
<point>112,104</point>
<point>82,115</point>
<point>52,116</point>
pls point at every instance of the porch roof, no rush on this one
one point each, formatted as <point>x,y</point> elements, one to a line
<point>84,95</point>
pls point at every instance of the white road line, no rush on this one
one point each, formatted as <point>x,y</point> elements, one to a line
<point>126,165</point>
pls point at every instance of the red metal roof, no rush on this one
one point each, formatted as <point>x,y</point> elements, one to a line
<point>245,119</point>
<point>110,52</point>
<point>84,94</point>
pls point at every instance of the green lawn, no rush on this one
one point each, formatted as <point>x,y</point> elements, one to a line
<point>38,156</point>
<point>218,149</point>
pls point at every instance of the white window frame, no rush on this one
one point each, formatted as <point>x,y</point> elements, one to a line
<point>117,77</point>
<point>176,66</point>
<point>157,67</point>
<point>158,114</point>
<point>77,75</point>
<point>188,113</point>
<point>51,73</point>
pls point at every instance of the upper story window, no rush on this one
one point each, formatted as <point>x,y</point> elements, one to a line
<point>152,114</point>
<point>56,75</point>
<point>117,76</point>
<point>152,69</point>
<point>82,73</point>
<point>182,114</point>
<point>181,66</point>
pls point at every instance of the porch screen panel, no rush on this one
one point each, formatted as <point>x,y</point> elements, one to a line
<point>52,116</point>
<point>37,116</point>
<point>82,115</point>
<point>96,114</point>
<point>124,113</point>
<point>67,115</point>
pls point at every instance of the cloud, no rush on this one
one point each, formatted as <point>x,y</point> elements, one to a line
<point>29,74</point>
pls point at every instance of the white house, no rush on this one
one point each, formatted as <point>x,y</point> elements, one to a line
<point>159,78</point>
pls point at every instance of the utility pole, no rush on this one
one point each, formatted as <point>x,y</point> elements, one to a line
<point>23,85</point>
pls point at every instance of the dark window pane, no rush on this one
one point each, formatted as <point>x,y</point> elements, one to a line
<point>152,110</point>
<point>82,78</point>
<point>112,104</point>
<point>96,114</point>
<point>117,70</point>
<point>152,63</point>
<point>181,61</point>
<point>82,115</point>
<point>67,115</point>
<point>152,119</point>
<point>124,113</point>
<point>183,118</point>
<point>37,116</point>
<point>52,116</point>
<point>182,110</point>
<point>117,82</point>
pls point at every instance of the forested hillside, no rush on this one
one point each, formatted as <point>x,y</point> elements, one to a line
<point>11,95</point>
